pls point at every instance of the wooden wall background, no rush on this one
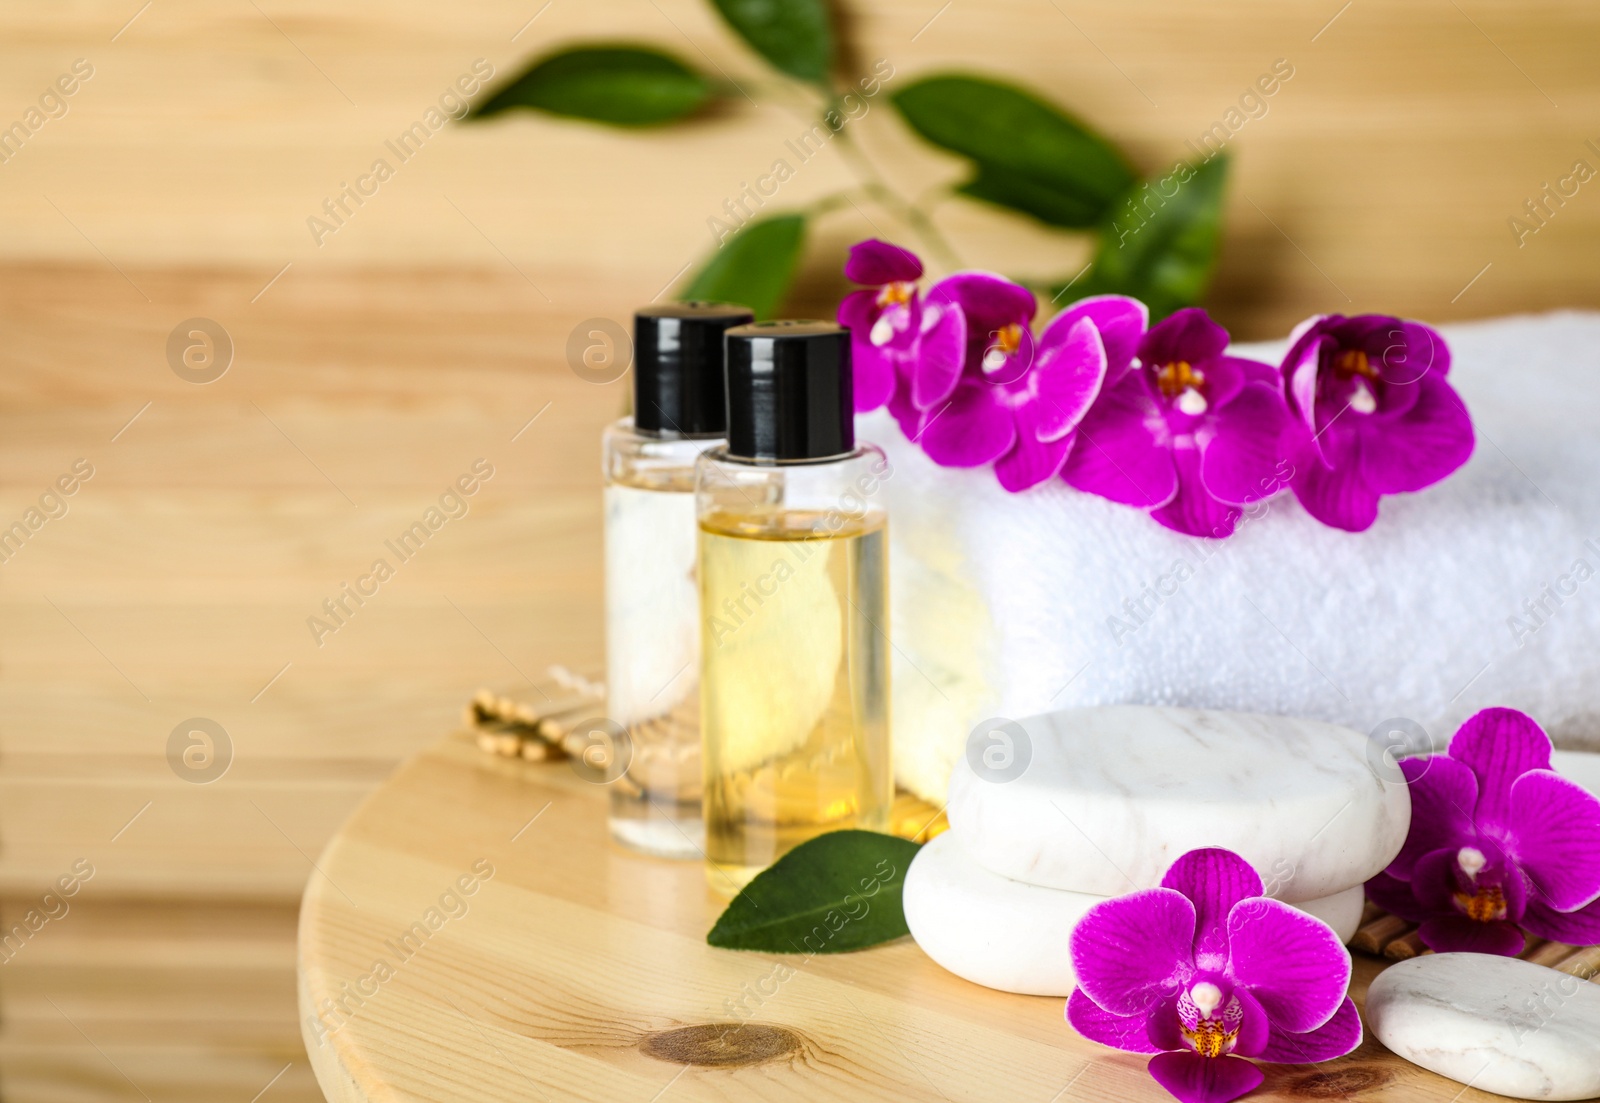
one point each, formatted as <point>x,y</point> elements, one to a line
<point>428,331</point>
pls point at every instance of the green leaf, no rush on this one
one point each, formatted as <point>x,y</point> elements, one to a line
<point>754,266</point>
<point>1159,247</point>
<point>1045,203</point>
<point>1029,155</point>
<point>620,85</point>
<point>840,891</point>
<point>796,36</point>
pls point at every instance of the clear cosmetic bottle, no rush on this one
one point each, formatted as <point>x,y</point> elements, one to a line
<point>794,606</point>
<point>652,596</point>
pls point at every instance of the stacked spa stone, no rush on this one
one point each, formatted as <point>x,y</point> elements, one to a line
<point>1052,814</point>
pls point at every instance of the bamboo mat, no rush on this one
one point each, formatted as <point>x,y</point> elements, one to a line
<point>546,724</point>
<point>1388,936</point>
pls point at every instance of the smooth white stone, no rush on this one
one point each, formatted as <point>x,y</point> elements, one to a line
<point>1341,911</point>
<point>1004,934</point>
<point>1497,1023</point>
<point>1112,796</point>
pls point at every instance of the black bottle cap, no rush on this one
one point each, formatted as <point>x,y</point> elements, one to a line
<point>790,394</point>
<point>677,367</point>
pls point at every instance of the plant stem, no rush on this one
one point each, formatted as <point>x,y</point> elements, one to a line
<point>829,203</point>
<point>873,183</point>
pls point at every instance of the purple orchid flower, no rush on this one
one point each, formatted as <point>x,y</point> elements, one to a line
<point>1499,844</point>
<point>1205,971</point>
<point>885,321</point>
<point>1180,428</point>
<point>1379,416</point>
<point>985,391</point>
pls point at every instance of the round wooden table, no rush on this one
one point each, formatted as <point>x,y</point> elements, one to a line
<point>472,935</point>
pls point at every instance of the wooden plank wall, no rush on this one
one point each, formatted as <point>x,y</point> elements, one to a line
<point>425,335</point>
<point>1383,173</point>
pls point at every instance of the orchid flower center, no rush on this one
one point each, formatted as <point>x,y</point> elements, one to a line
<point>1355,366</point>
<point>890,322</point>
<point>1007,340</point>
<point>1486,903</point>
<point>896,294</point>
<point>1362,400</point>
<point>1182,385</point>
<point>1209,1028</point>
<point>1355,362</point>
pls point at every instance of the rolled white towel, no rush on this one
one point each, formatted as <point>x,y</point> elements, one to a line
<point>1482,590</point>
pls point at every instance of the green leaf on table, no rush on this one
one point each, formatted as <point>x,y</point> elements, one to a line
<point>754,266</point>
<point>840,891</point>
<point>796,36</point>
<point>1030,156</point>
<point>1161,247</point>
<point>619,85</point>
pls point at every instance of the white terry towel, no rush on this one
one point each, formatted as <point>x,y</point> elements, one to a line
<point>1481,590</point>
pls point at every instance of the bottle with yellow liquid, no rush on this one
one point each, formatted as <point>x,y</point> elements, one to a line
<point>793,569</point>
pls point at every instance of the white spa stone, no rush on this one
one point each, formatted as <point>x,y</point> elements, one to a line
<point>1497,1023</point>
<point>1341,911</point>
<point>1004,934</point>
<point>1110,797</point>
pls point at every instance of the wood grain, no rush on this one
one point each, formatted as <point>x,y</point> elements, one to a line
<point>431,329</point>
<point>149,1000</point>
<point>580,971</point>
<point>1382,175</point>
<point>178,584</point>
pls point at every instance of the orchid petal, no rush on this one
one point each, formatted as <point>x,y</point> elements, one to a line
<point>1124,1032</point>
<point>1433,881</point>
<point>1294,964</point>
<point>1131,951</point>
<point>1121,322</point>
<point>856,313</point>
<point>1031,461</point>
<point>1226,376</point>
<point>1255,1026</point>
<point>1192,1078</point>
<point>860,313</point>
<point>1576,928</point>
<point>1013,369</point>
<point>1214,880</point>
<point>1411,351</point>
<point>1121,456</point>
<point>1555,826</point>
<point>975,429</point>
<point>1337,496</point>
<point>940,355</point>
<point>1068,373</point>
<point>989,301</point>
<point>1444,792</point>
<point>1414,451</point>
<point>1245,461</point>
<point>1187,334</point>
<point>1453,934</point>
<point>1302,394</point>
<point>1163,1026</point>
<point>1335,1038</point>
<point>873,369</point>
<point>1499,745</point>
<point>1254,371</point>
<point>905,413</point>
<point>874,379</point>
<point>878,262</point>
<point>1395,897</point>
<point>1304,332</point>
<point>1193,511</point>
